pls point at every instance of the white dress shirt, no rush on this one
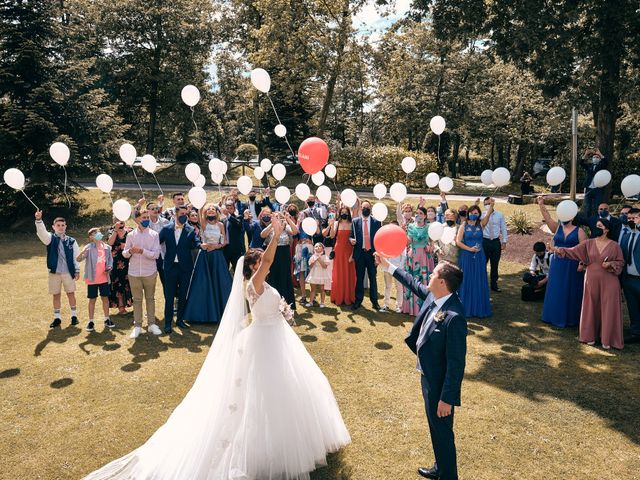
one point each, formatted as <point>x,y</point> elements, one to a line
<point>634,240</point>
<point>177,233</point>
<point>495,227</point>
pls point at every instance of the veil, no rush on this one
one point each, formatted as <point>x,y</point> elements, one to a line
<point>190,441</point>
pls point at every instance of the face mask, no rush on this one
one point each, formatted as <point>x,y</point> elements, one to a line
<point>431,215</point>
<point>451,223</point>
<point>252,198</point>
<point>212,218</point>
<point>567,222</point>
<point>540,255</point>
<point>183,219</point>
<point>407,215</point>
<point>344,216</point>
<point>419,219</point>
<point>145,223</point>
<point>473,217</point>
<point>293,213</point>
<point>366,211</point>
<point>597,232</point>
<point>595,160</point>
<point>311,204</point>
<point>98,236</point>
<point>631,224</point>
<point>266,218</point>
<point>604,213</point>
<point>623,218</point>
<point>462,213</point>
<point>486,207</point>
<point>439,210</point>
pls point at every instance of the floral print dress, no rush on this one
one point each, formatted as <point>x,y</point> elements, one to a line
<point>120,274</point>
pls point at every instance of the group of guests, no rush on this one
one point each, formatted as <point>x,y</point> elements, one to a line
<point>583,274</point>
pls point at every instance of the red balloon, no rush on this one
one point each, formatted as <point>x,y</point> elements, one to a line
<point>390,240</point>
<point>313,155</point>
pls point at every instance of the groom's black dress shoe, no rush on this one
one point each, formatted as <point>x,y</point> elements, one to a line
<point>167,330</point>
<point>182,324</point>
<point>428,472</point>
<point>496,289</point>
<point>375,306</point>
<point>355,306</point>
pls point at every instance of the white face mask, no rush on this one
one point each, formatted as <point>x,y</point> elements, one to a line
<point>486,207</point>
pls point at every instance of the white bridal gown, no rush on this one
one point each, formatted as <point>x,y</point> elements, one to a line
<point>259,409</point>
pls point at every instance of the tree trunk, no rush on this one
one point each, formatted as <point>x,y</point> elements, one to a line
<point>493,152</point>
<point>500,153</point>
<point>508,155</point>
<point>256,125</point>
<point>521,155</point>
<point>153,93</point>
<point>456,155</point>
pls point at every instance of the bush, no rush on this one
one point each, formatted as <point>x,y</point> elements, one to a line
<point>246,151</point>
<point>367,166</point>
<point>520,223</point>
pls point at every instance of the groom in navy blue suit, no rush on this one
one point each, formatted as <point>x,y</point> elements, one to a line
<point>439,339</point>
<point>179,239</point>
<point>363,231</point>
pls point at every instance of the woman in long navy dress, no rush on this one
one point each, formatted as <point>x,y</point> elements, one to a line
<point>563,298</point>
<point>210,284</point>
<point>474,291</point>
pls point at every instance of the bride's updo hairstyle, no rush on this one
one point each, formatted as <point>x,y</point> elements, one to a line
<point>252,257</point>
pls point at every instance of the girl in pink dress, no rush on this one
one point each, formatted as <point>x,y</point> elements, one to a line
<point>318,272</point>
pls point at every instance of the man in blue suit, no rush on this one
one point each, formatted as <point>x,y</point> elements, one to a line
<point>630,245</point>
<point>234,227</point>
<point>363,231</point>
<point>439,339</point>
<point>179,239</point>
<point>603,212</point>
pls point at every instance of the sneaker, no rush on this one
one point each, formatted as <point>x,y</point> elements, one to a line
<point>384,309</point>
<point>56,323</point>
<point>321,305</point>
<point>90,326</point>
<point>74,320</point>
<point>135,333</point>
<point>153,328</point>
<point>308,304</point>
<point>109,323</point>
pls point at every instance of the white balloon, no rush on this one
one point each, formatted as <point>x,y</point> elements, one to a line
<point>398,192</point>
<point>122,210</point>
<point>200,181</point>
<point>601,178</point>
<point>324,194</point>
<point>282,194</point>
<point>310,226</point>
<point>266,164</point>
<point>258,172</point>
<point>104,182</point>
<point>436,229</point>
<point>128,153</point>
<point>555,176</point>
<point>379,191</point>
<point>630,185</point>
<point>408,164</point>
<point>500,177</point>
<point>14,178</point>
<point>217,178</point>
<point>223,167</point>
<point>280,130</point>
<point>317,178</point>
<point>60,153</point>
<point>192,171</point>
<point>445,184</point>
<point>487,177</point>
<point>448,235</point>
<point>190,95</point>
<point>261,79</point>
<point>303,191</point>
<point>432,180</point>
<point>437,124</point>
<point>197,197</point>
<point>349,197</point>
<point>330,170</point>
<point>215,165</point>
<point>379,211</point>
<point>149,163</point>
<point>566,210</point>
<point>279,171</point>
<point>245,184</point>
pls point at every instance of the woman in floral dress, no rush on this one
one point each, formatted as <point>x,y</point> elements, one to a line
<point>120,297</point>
<point>419,261</point>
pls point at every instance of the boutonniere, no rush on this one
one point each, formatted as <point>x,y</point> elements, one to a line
<point>439,318</point>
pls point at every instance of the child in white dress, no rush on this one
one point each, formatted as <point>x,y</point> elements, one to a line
<point>318,273</point>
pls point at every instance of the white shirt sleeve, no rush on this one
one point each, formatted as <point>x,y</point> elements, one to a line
<point>392,268</point>
<point>76,252</point>
<point>503,229</point>
<point>41,231</point>
<point>532,267</point>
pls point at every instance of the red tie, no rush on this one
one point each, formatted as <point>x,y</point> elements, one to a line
<point>367,240</point>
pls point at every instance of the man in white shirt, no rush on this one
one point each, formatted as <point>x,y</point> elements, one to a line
<point>494,241</point>
<point>630,246</point>
<point>156,223</point>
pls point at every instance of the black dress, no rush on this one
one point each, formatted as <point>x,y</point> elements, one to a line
<point>280,276</point>
<point>119,274</point>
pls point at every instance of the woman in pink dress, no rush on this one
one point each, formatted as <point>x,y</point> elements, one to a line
<point>601,314</point>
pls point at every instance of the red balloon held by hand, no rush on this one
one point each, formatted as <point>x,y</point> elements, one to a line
<point>390,240</point>
<point>313,155</point>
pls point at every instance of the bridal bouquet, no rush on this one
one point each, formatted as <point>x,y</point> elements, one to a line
<point>287,312</point>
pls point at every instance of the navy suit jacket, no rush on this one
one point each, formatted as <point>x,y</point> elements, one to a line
<point>442,355</point>
<point>356,232</point>
<point>188,241</point>
<point>591,221</point>
<point>234,225</point>
<point>625,251</point>
<point>260,204</point>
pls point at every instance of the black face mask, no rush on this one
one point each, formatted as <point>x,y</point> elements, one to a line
<point>311,204</point>
<point>344,216</point>
<point>266,218</point>
<point>212,218</point>
<point>631,224</point>
<point>597,232</point>
<point>451,223</point>
<point>366,211</point>
<point>252,198</point>
<point>462,213</point>
<point>293,213</point>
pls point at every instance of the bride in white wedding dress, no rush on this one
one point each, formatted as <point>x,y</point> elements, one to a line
<point>260,407</point>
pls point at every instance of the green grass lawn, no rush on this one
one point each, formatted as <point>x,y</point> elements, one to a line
<point>536,403</point>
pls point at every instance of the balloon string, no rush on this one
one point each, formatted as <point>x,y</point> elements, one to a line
<point>193,120</point>
<point>65,186</point>
<point>159,187</point>
<point>439,151</point>
<point>29,199</point>
<point>279,122</point>
<point>136,177</point>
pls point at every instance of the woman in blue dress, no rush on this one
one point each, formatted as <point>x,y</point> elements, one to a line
<point>563,298</point>
<point>474,291</point>
<point>210,284</point>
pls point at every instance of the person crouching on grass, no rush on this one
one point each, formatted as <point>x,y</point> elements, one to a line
<point>63,267</point>
<point>96,275</point>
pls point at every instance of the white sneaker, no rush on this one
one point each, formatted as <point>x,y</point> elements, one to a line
<point>383,309</point>
<point>321,305</point>
<point>399,310</point>
<point>153,328</point>
<point>136,332</point>
<point>308,304</point>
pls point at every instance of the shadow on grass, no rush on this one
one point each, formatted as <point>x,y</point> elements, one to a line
<point>61,383</point>
<point>335,469</point>
<point>539,362</point>
<point>10,372</point>
<point>56,335</point>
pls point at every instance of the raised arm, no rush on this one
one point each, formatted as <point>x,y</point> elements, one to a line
<point>551,223</point>
<point>580,252</point>
<point>405,278</point>
<point>267,258</point>
<point>41,230</point>
<point>485,220</point>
